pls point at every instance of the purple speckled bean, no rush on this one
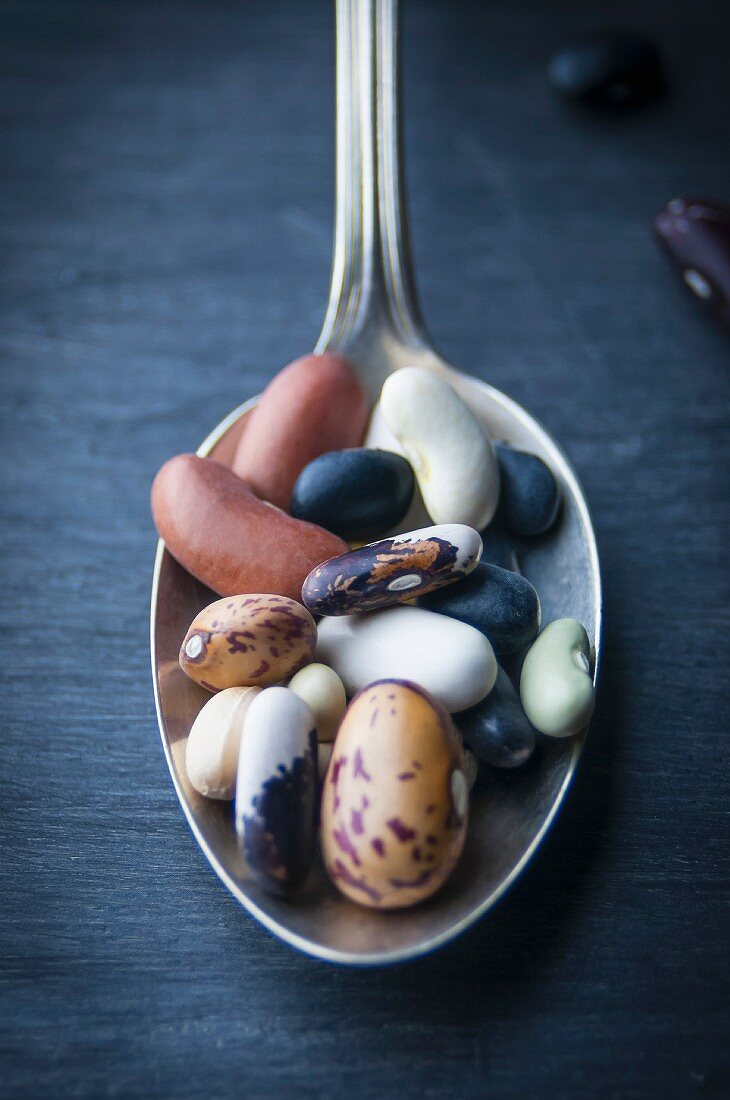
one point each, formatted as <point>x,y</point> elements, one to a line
<point>406,760</point>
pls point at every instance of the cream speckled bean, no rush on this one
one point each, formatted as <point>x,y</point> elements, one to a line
<point>556,685</point>
<point>252,640</point>
<point>395,803</point>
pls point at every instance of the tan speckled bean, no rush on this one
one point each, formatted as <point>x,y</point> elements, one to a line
<point>251,640</point>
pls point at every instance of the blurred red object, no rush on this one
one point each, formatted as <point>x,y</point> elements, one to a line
<point>695,235</point>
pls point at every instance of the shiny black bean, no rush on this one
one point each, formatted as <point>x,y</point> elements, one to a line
<point>497,730</point>
<point>359,494</point>
<point>500,603</point>
<point>529,495</point>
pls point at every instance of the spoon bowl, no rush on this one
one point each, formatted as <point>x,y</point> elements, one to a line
<point>373,320</point>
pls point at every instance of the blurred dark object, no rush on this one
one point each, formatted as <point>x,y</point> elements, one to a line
<point>695,235</point>
<point>609,69</point>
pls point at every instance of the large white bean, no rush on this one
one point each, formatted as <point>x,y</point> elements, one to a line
<point>452,661</point>
<point>450,451</point>
<point>211,753</point>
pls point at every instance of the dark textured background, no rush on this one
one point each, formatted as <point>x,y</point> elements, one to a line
<point>165,211</point>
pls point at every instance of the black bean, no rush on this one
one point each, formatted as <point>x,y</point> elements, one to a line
<point>497,730</point>
<point>358,494</point>
<point>500,603</point>
<point>498,547</point>
<point>529,495</point>
<point>609,69</point>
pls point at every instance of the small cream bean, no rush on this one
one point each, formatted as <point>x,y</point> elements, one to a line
<point>556,685</point>
<point>451,454</point>
<point>211,754</point>
<point>322,689</point>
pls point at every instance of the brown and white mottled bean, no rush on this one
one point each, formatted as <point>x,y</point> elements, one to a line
<point>392,570</point>
<point>395,799</point>
<point>250,640</point>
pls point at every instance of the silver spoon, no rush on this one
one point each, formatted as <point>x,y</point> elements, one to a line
<point>373,319</point>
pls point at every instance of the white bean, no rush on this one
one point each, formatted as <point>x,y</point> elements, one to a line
<point>452,661</point>
<point>450,451</point>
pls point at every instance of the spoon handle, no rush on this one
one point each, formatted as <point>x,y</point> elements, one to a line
<point>373,313</point>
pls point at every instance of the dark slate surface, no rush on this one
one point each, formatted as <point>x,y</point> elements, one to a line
<point>165,209</point>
